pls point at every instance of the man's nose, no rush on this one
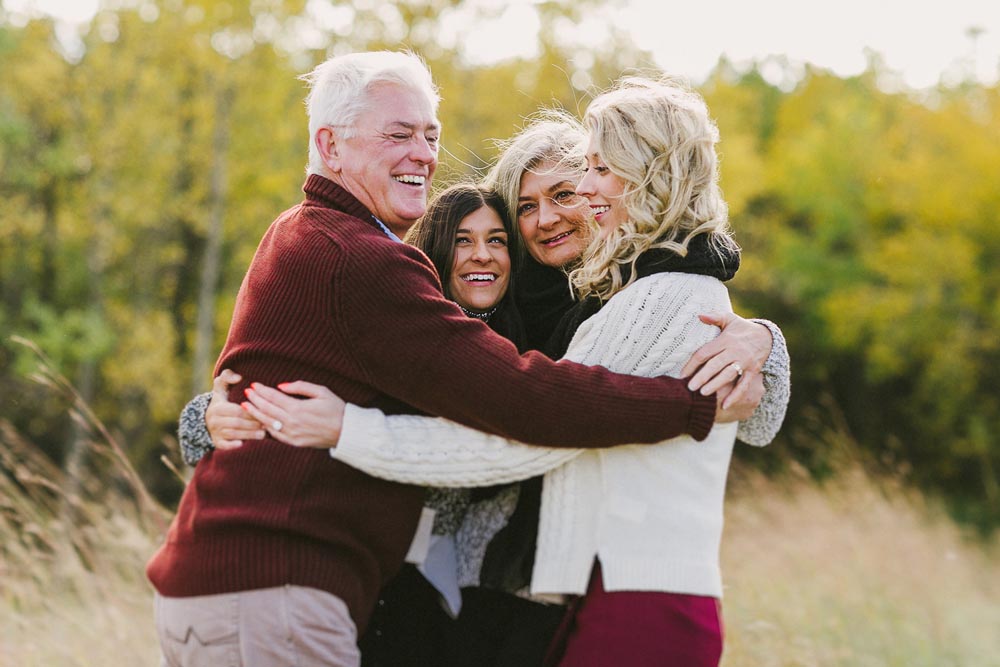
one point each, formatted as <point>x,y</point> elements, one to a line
<point>422,151</point>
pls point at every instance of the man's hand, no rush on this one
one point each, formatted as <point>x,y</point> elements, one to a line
<point>312,421</point>
<point>736,356</point>
<point>229,424</point>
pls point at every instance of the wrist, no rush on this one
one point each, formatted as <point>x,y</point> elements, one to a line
<point>765,342</point>
<point>701,416</point>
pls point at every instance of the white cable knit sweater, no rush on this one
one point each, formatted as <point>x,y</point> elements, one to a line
<point>651,513</point>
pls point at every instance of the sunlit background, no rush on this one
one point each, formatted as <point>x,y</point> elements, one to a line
<point>145,146</point>
<point>925,43</point>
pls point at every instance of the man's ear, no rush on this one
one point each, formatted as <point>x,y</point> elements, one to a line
<point>329,144</point>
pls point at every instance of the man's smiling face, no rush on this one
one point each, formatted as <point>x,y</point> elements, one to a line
<point>389,158</point>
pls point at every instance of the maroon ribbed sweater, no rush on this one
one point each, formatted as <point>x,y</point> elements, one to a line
<point>331,299</point>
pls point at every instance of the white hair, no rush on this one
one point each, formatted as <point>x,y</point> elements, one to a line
<point>339,90</point>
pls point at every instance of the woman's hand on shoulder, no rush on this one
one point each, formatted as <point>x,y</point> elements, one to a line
<point>301,414</point>
<point>736,356</point>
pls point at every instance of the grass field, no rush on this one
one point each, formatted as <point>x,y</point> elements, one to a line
<point>855,573</point>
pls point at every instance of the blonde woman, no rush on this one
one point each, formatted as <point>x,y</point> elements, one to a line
<point>652,528</point>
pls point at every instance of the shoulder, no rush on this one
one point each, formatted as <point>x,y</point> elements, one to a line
<point>664,301</point>
<point>653,302</point>
<point>651,326</point>
<point>371,252</point>
<point>671,290</point>
<point>361,243</point>
<point>367,259</point>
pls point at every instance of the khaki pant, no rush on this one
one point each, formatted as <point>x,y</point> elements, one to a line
<point>285,626</point>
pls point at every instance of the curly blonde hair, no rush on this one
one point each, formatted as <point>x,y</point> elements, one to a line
<point>656,135</point>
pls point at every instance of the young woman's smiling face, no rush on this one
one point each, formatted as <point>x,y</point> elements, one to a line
<point>480,270</point>
<point>603,189</point>
<point>551,216</point>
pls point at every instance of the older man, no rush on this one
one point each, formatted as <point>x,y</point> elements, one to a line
<point>276,555</point>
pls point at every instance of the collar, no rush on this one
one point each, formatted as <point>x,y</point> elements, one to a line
<point>324,191</point>
<point>384,228</point>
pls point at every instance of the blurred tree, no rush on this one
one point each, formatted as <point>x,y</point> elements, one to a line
<point>139,172</point>
<point>46,282</point>
<point>871,241</point>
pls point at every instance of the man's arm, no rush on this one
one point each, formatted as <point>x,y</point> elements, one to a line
<point>439,452</point>
<point>420,348</point>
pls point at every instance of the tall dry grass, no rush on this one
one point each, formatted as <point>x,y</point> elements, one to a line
<point>72,590</point>
<point>855,572</point>
<point>72,549</point>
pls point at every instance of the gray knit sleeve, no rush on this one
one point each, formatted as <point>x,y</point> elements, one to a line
<point>192,432</point>
<point>763,425</point>
<point>482,521</point>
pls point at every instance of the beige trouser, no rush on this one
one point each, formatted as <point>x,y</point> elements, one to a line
<point>285,626</point>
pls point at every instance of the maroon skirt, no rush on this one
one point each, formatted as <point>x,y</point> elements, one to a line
<point>638,629</point>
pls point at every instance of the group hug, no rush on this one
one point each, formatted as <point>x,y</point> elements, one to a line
<point>487,424</point>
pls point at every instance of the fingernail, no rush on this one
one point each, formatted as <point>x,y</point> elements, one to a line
<point>247,392</point>
<point>704,391</point>
<point>253,384</point>
<point>282,386</point>
<point>245,405</point>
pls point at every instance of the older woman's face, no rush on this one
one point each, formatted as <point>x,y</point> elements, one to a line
<point>551,216</point>
<point>603,190</point>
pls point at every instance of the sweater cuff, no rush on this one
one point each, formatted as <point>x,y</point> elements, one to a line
<point>355,432</point>
<point>701,417</point>
<point>192,432</point>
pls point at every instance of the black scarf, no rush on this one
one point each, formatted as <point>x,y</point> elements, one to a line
<point>702,259</point>
<point>542,297</point>
<point>510,555</point>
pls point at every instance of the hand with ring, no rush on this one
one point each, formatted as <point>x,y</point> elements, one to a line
<point>735,356</point>
<point>301,414</point>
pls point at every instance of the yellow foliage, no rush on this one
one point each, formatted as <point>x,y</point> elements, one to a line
<point>146,347</point>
